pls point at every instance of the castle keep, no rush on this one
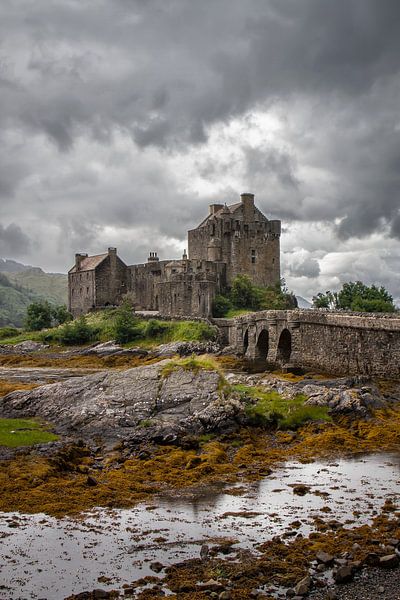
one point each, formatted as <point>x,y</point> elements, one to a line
<point>232,240</point>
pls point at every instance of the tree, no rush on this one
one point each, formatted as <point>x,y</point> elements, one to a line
<point>356,296</point>
<point>327,300</point>
<point>243,293</point>
<point>38,316</point>
<point>61,315</point>
<point>125,324</point>
<point>221,305</point>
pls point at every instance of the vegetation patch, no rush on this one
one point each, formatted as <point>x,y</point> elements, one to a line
<point>7,386</point>
<point>191,363</point>
<point>59,486</point>
<point>271,408</point>
<point>24,432</point>
<point>120,324</point>
<point>244,297</point>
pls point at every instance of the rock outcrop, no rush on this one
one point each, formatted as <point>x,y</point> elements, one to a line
<point>143,402</point>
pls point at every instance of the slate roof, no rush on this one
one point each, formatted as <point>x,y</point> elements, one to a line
<point>89,263</point>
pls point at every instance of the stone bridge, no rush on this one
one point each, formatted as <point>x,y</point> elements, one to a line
<point>331,342</point>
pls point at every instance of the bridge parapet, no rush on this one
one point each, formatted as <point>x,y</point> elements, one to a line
<point>334,342</point>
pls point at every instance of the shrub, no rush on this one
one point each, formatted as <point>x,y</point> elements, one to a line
<point>126,325</point>
<point>221,305</point>
<point>6,332</point>
<point>154,328</point>
<point>76,332</point>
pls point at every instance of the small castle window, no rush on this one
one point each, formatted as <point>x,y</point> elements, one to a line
<point>80,291</point>
<point>253,256</point>
<point>87,291</point>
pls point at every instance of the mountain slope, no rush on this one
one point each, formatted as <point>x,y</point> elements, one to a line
<point>20,285</point>
<point>50,286</point>
<point>13,303</point>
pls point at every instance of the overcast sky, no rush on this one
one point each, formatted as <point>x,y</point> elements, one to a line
<point>121,120</point>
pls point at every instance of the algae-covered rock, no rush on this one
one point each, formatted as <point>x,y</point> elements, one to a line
<point>139,403</point>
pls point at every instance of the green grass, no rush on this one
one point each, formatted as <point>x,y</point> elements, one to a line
<point>24,432</point>
<point>237,312</point>
<point>271,409</point>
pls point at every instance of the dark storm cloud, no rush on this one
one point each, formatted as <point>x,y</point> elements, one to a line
<point>13,241</point>
<point>162,73</point>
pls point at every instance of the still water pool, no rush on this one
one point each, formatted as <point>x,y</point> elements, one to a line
<point>43,557</point>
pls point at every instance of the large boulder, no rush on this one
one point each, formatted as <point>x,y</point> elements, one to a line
<point>144,402</point>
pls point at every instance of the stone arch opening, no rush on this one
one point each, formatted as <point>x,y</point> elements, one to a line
<point>284,346</point>
<point>262,345</point>
<point>246,341</point>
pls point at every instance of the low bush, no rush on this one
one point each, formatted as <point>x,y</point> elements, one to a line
<point>7,332</point>
<point>74,333</point>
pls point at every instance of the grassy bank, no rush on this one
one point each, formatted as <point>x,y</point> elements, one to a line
<point>101,326</point>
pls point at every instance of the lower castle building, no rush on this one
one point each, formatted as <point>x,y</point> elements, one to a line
<point>232,240</point>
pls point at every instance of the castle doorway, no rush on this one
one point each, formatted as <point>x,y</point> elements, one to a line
<point>246,341</point>
<point>262,346</point>
<point>284,346</point>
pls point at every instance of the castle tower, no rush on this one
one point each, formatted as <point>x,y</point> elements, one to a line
<point>243,238</point>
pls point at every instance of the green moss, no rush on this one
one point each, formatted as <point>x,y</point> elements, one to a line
<point>192,363</point>
<point>23,432</point>
<point>272,409</point>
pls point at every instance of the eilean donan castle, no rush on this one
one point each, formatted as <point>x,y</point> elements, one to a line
<point>232,240</point>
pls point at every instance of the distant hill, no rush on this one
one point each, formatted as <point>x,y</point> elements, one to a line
<point>303,303</point>
<point>25,284</point>
<point>12,266</point>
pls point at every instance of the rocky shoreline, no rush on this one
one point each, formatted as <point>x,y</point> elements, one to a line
<point>176,422</point>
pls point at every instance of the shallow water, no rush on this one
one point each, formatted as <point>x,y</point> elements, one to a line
<point>43,557</point>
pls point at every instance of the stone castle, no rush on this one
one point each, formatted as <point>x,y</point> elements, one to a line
<point>232,240</point>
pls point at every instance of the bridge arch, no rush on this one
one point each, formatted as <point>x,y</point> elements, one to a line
<point>284,346</point>
<point>262,345</point>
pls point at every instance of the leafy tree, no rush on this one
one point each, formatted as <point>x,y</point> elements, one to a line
<point>61,315</point>
<point>38,316</point>
<point>327,300</point>
<point>125,324</point>
<point>357,296</point>
<point>244,294</point>
<point>221,305</point>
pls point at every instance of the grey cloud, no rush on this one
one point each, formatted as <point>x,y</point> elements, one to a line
<point>162,73</point>
<point>13,241</point>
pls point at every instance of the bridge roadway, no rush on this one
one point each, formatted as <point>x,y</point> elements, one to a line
<point>322,340</point>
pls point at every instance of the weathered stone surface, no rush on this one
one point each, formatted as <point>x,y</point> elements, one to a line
<point>25,347</point>
<point>139,403</point>
<point>324,558</point>
<point>343,574</point>
<point>186,348</point>
<point>391,561</point>
<point>325,341</point>
<point>303,587</point>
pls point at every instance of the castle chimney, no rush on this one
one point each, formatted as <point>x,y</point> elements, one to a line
<point>153,257</point>
<point>248,207</point>
<point>78,259</point>
<point>184,255</point>
<point>215,208</point>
